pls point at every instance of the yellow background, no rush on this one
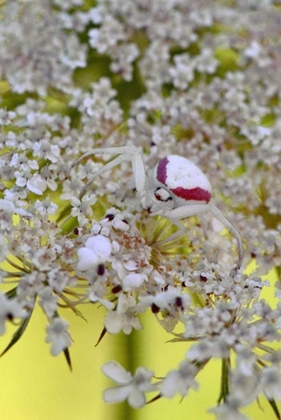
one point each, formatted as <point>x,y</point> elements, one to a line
<point>35,385</point>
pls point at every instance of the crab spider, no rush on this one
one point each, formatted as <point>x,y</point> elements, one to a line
<point>176,189</point>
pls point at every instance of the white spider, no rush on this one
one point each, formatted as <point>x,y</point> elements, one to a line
<point>176,189</point>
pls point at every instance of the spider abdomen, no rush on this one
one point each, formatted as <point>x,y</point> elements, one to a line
<point>184,179</point>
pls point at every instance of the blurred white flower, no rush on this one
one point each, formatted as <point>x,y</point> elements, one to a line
<point>48,301</point>
<point>131,388</point>
<point>58,335</point>
<point>9,207</point>
<point>10,309</point>
<point>228,412</point>
<point>271,382</point>
<point>180,381</point>
<point>82,208</point>
<point>35,183</point>
<point>115,322</point>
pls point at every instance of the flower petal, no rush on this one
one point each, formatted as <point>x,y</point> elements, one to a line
<point>87,259</point>
<point>169,385</point>
<point>113,322</point>
<point>116,394</point>
<point>99,245</point>
<point>132,281</point>
<point>116,372</point>
<point>136,399</point>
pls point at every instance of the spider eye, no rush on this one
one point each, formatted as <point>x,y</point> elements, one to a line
<point>162,195</point>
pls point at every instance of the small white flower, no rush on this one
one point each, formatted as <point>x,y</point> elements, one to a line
<point>97,250</point>
<point>201,350</point>
<point>170,300</point>
<point>9,310</point>
<point>131,388</point>
<point>49,301</point>
<point>119,223</point>
<point>4,248</point>
<point>6,116</point>
<point>179,381</point>
<point>58,335</point>
<point>96,294</point>
<point>115,322</point>
<point>36,184</point>
<point>271,382</point>
<point>43,258</point>
<point>246,360</point>
<point>68,4</point>
<point>95,14</point>
<point>46,207</point>
<point>8,206</point>
<point>124,317</point>
<point>244,389</point>
<point>57,280</point>
<point>132,281</point>
<point>228,412</point>
<point>21,162</point>
<point>83,207</point>
<point>253,50</point>
<point>130,265</point>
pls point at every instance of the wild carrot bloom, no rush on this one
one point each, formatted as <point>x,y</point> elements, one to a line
<point>195,79</point>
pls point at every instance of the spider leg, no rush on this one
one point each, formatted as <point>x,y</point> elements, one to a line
<point>180,232</point>
<point>175,217</point>
<point>179,213</point>
<point>141,181</point>
<point>105,168</point>
<point>126,153</point>
<point>128,150</point>
<point>218,214</point>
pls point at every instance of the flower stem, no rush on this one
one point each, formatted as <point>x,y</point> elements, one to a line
<point>224,391</point>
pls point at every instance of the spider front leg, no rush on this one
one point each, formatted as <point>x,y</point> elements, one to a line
<point>105,168</point>
<point>183,212</point>
<point>218,214</point>
<point>126,154</point>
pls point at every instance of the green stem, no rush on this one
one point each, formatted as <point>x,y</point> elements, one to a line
<point>224,391</point>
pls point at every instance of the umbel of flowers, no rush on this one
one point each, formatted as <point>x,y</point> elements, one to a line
<point>197,79</point>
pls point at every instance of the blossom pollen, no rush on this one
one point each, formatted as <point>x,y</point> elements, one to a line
<point>117,289</point>
<point>154,308</point>
<point>100,270</point>
<point>10,317</point>
<point>110,217</point>
<point>178,302</point>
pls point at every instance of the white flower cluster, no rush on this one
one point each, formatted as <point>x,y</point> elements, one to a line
<point>98,108</point>
<point>35,52</point>
<point>170,77</point>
